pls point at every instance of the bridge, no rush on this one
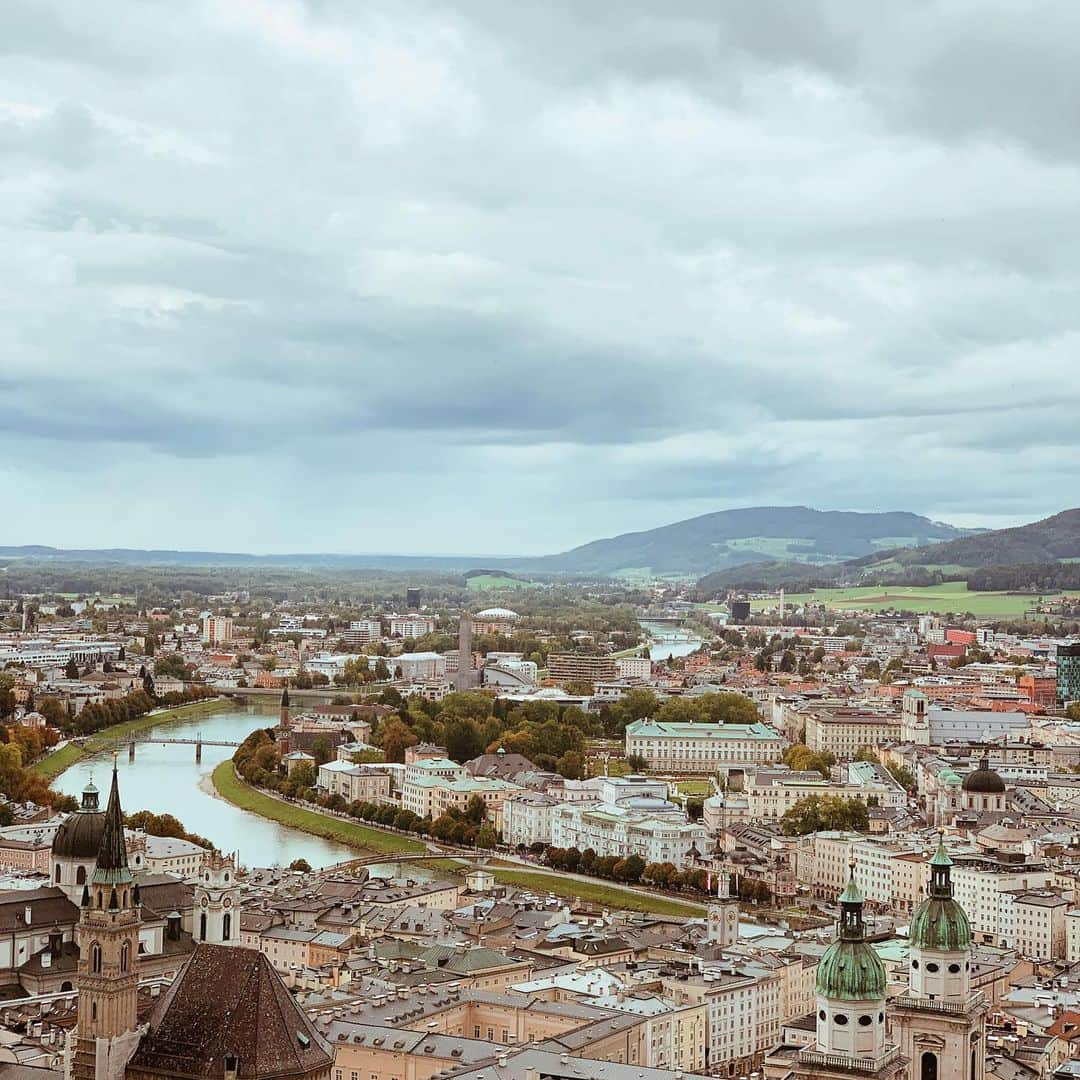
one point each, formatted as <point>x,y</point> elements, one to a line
<point>198,742</point>
<point>461,854</point>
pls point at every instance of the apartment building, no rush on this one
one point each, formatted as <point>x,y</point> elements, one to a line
<point>216,629</point>
<point>709,748</point>
<point>572,667</point>
<point>633,667</point>
<point>433,786</point>
<point>1039,921</point>
<point>656,833</point>
<point>411,626</point>
<point>362,632</point>
<point>988,892</point>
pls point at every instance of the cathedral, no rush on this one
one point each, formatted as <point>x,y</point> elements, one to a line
<point>226,1016</point>
<point>935,1030</point>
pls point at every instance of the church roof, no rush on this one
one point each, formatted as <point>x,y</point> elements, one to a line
<point>984,781</point>
<point>939,922</point>
<point>228,1002</point>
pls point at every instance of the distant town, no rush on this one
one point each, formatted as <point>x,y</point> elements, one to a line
<point>542,826</point>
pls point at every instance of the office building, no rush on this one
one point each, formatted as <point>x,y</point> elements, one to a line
<point>1068,673</point>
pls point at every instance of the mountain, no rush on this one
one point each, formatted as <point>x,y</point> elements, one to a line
<point>1051,540</point>
<point>756,534</point>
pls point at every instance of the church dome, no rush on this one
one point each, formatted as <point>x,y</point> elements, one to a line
<point>851,970</point>
<point>984,781</point>
<point>79,837</point>
<point>939,923</point>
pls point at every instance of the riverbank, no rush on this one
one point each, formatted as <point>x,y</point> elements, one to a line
<point>232,789</point>
<point>52,765</point>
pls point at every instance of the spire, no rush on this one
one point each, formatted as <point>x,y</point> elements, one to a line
<point>940,870</point>
<point>851,908</point>
<point>285,696</point>
<point>112,863</point>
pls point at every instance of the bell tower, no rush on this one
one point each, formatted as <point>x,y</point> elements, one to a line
<point>106,1032</point>
<point>217,896</point>
<point>940,1023</point>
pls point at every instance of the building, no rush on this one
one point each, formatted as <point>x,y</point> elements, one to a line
<point>495,620</point>
<point>420,666</point>
<point>362,632</point>
<point>217,900</point>
<point>1068,673</point>
<point>633,667</point>
<point>939,1023</point>
<point>710,748</point>
<point>354,783</point>
<point>411,626</point>
<point>412,598</point>
<point>843,732</point>
<point>464,676</point>
<point>583,667</point>
<point>216,629</point>
<point>850,1033</point>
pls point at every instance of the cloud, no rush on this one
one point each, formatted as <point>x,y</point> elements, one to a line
<point>559,270</point>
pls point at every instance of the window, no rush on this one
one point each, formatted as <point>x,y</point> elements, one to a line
<point>125,956</point>
<point>841,1019</point>
<point>95,958</point>
<point>821,1015</point>
<point>80,875</point>
<point>226,926</point>
<point>954,969</point>
<point>865,1020</point>
<point>929,1069</point>
<point>57,874</point>
<point>933,968</point>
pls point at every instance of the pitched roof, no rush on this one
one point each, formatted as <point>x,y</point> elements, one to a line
<point>229,1001</point>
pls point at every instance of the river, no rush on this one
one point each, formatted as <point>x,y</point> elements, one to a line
<point>165,779</point>
<point>667,641</point>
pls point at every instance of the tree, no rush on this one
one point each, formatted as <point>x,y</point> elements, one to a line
<point>486,837</point>
<point>321,751</point>
<point>171,664</point>
<point>1073,711</point>
<point>571,765</point>
<point>868,753</point>
<point>801,758</point>
<point>394,738</point>
<point>816,813</point>
<point>382,670</point>
<point>580,687</point>
<point>300,865</point>
<point>71,669</point>
<point>903,776</point>
<point>637,763</point>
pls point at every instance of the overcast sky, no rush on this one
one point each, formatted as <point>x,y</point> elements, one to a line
<point>506,277</point>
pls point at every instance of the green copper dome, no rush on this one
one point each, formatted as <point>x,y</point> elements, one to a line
<point>939,922</point>
<point>851,970</point>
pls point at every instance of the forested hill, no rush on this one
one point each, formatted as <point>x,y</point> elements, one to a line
<point>1050,540</point>
<point>755,534</point>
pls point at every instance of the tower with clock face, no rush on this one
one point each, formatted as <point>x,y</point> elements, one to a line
<point>217,896</point>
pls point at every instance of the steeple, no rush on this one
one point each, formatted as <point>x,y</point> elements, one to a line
<point>851,909</point>
<point>286,717</point>
<point>941,871</point>
<point>112,862</point>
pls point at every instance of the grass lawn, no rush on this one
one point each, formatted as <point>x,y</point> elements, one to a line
<point>234,790</point>
<point>486,582</point>
<point>594,893</point>
<point>951,596</point>
<point>695,787</point>
<point>53,765</point>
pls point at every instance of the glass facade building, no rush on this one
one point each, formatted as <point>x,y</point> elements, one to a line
<point>1068,673</point>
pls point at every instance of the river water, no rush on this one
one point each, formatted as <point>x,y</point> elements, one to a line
<point>668,642</point>
<point>165,779</point>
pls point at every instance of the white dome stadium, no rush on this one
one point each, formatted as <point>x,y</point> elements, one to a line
<point>496,613</point>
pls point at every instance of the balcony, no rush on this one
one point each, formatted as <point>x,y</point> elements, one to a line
<point>844,1063</point>
<point>975,1001</point>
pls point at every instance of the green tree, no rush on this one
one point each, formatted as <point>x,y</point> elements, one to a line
<point>300,865</point>
<point>486,837</point>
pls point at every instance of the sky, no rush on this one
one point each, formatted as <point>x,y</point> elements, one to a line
<point>487,277</point>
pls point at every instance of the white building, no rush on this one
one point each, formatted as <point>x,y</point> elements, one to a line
<point>988,895</point>
<point>216,629</point>
<point>411,626</point>
<point>703,747</point>
<point>362,632</point>
<point>354,783</point>
<point>633,667</point>
<point>420,666</point>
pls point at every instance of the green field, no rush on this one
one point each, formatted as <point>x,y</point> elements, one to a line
<point>352,833</point>
<point>695,787</point>
<point>597,893</point>
<point>492,582</point>
<point>952,596</point>
<point>52,765</point>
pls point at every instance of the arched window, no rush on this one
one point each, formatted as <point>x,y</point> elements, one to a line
<point>95,958</point>
<point>66,987</point>
<point>125,956</point>
<point>226,926</point>
<point>93,1010</point>
<point>928,1070</point>
<point>80,875</point>
<point>57,876</point>
<point>202,926</point>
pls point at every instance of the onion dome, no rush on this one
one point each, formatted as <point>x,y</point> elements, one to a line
<point>79,837</point>
<point>984,781</point>
<point>851,970</point>
<point>939,923</point>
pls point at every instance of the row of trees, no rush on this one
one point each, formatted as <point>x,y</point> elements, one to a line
<point>634,870</point>
<point>98,715</point>
<point>258,761</point>
<point>817,813</point>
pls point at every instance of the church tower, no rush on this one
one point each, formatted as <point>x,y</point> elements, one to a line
<point>939,1023</point>
<point>286,717</point>
<point>850,992</point>
<point>217,896</point>
<point>106,1032</point>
